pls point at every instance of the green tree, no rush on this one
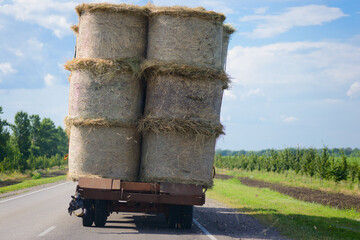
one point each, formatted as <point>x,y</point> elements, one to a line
<point>340,171</point>
<point>324,166</point>
<point>35,134</point>
<point>308,162</point>
<point>62,141</point>
<point>21,132</point>
<point>4,137</point>
<point>47,140</point>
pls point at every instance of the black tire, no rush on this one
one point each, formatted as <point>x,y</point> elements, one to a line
<point>180,216</point>
<point>187,216</point>
<point>101,213</point>
<point>89,213</point>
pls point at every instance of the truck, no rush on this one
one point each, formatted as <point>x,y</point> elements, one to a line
<point>96,198</point>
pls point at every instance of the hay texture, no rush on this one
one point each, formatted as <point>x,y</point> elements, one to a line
<point>178,158</point>
<point>185,35</point>
<point>111,152</point>
<point>202,129</point>
<point>227,31</point>
<point>172,96</point>
<point>104,89</point>
<point>111,31</point>
<point>182,91</point>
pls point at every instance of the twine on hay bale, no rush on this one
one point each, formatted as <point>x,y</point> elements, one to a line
<point>151,68</point>
<point>107,7</point>
<point>180,126</point>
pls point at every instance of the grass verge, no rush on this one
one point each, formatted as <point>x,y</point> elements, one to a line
<point>290,178</point>
<point>31,183</point>
<point>293,218</point>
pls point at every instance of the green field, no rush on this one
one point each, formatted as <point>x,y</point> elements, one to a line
<point>293,218</point>
<point>290,178</point>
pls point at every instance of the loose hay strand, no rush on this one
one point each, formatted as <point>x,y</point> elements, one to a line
<point>107,7</point>
<point>228,28</point>
<point>75,28</point>
<point>109,68</point>
<point>182,126</point>
<point>100,122</point>
<point>180,11</point>
<point>153,68</point>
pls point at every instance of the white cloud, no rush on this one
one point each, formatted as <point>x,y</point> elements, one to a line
<point>289,119</point>
<point>260,10</point>
<point>229,95</point>
<point>310,15</point>
<point>217,6</point>
<point>50,80</point>
<point>48,14</point>
<point>6,68</point>
<point>354,90</point>
<point>253,92</point>
<point>35,44</point>
<point>326,64</point>
<point>15,51</point>
<point>261,119</point>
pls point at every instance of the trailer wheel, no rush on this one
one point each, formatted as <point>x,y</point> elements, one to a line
<point>101,213</point>
<point>180,216</point>
<point>88,217</point>
<point>187,216</point>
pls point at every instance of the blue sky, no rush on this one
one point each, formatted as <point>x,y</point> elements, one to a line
<point>295,68</point>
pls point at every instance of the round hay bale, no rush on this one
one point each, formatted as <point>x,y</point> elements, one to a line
<point>172,96</point>
<point>185,35</point>
<point>110,94</point>
<point>111,152</point>
<point>227,31</point>
<point>111,31</point>
<point>174,157</point>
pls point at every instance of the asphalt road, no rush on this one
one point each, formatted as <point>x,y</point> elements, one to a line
<point>42,214</point>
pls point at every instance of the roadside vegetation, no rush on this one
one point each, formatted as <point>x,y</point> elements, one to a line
<point>31,183</point>
<point>293,218</point>
<point>31,143</point>
<point>322,166</point>
<point>30,149</point>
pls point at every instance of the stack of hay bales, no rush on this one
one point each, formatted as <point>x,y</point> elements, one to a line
<point>185,82</point>
<point>106,93</point>
<point>181,54</point>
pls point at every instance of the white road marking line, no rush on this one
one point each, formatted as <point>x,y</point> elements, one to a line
<point>47,231</point>
<point>3,201</point>
<point>207,233</point>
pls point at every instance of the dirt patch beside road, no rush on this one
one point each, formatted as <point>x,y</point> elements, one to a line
<point>339,200</point>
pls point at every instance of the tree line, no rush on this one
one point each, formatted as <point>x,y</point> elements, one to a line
<point>311,162</point>
<point>31,143</point>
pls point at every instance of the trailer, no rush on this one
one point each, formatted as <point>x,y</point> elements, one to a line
<point>97,198</point>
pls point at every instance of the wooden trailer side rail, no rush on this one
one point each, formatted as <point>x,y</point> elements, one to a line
<point>139,192</point>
